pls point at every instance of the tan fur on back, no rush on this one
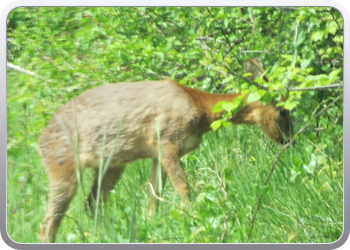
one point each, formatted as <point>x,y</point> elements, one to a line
<point>98,113</point>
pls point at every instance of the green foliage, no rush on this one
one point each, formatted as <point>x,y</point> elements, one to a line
<point>77,48</point>
<point>72,49</point>
<point>229,108</point>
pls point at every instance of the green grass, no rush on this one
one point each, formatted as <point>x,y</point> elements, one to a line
<point>226,174</point>
<point>301,202</point>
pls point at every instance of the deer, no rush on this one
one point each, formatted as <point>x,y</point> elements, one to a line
<point>124,122</point>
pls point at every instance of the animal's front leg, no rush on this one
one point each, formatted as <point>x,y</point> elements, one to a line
<point>171,163</point>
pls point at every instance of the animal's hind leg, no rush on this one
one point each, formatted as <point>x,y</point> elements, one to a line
<point>63,186</point>
<point>107,183</point>
<point>153,202</point>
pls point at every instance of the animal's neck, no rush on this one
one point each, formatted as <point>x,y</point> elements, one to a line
<point>205,103</point>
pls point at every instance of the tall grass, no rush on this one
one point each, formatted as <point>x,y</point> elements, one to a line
<point>233,197</point>
<point>227,177</point>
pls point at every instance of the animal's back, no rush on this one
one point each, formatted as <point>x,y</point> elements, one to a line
<point>135,111</point>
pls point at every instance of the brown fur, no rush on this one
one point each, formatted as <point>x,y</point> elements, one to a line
<point>83,132</point>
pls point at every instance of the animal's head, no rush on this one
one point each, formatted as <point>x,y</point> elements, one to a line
<point>274,121</point>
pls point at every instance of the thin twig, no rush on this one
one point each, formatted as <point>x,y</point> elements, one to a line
<point>313,144</point>
<point>287,8</point>
<point>332,86</point>
<point>22,70</point>
<point>169,202</point>
<point>318,129</point>
<point>339,85</point>
<point>335,20</point>
<point>295,41</point>
<point>245,79</point>
<point>254,51</point>
<point>157,197</point>
<point>259,86</point>
<point>203,38</point>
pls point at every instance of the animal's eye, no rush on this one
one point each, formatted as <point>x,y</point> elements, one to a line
<point>283,113</point>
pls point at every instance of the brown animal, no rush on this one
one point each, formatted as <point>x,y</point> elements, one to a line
<point>129,119</point>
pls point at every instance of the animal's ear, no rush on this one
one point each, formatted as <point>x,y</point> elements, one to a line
<point>252,66</point>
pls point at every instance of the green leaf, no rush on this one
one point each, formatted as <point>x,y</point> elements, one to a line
<point>253,97</point>
<point>338,39</point>
<point>266,99</point>
<point>261,92</point>
<point>216,125</point>
<point>211,196</point>
<point>226,22</point>
<point>340,120</point>
<point>300,38</point>
<point>333,76</point>
<point>238,101</point>
<point>332,29</point>
<point>201,197</point>
<point>290,105</point>
<point>218,107</point>
<point>227,115</point>
<point>172,51</point>
<point>253,88</point>
<point>228,79</point>
<point>316,36</point>
<point>247,74</point>
<point>228,106</point>
<point>309,169</point>
<point>226,124</point>
<point>279,104</point>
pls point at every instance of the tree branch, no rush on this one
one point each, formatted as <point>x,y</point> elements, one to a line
<point>332,86</point>
<point>335,20</point>
<point>203,38</point>
<point>22,70</point>
<point>254,51</point>
<point>245,79</point>
<point>287,8</point>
